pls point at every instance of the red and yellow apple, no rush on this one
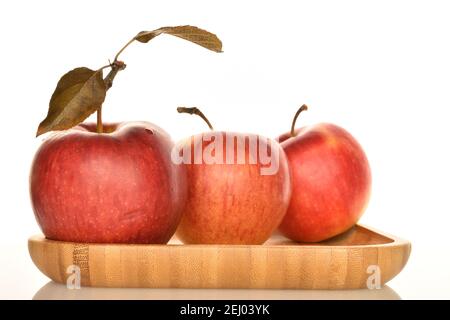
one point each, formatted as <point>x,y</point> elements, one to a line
<point>331,182</point>
<point>116,187</point>
<point>232,199</point>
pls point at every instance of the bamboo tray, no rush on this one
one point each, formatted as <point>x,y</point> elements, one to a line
<point>339,263</point>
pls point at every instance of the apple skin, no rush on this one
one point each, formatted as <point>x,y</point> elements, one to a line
<point>116,187</point>
<point>331,182</point>
<point>233,203</point>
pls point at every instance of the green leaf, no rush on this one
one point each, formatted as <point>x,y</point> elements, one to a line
<point>78,94</point>
<point>196,35</point>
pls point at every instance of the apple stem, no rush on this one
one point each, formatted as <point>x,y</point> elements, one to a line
<point>197,112</point>
<point>99,120</point>
<point>300,110</point>
<point>116,66</point>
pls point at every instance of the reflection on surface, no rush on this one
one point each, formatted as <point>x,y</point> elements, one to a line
<point>53,290</point>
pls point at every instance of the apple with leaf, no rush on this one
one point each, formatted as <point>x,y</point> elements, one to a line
<point>107,183</point>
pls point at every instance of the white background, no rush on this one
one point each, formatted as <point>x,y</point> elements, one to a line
<point>380,69</point>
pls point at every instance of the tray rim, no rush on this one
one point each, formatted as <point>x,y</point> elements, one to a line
<point>396,241</point>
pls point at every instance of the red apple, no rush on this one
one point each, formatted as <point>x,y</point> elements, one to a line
<point>115,187</point>
<point>231,198</point>
<point>331,182</point>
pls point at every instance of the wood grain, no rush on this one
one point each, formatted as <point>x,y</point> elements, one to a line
<point>339,263</point>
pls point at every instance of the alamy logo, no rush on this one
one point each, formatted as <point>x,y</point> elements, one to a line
<point>374,280</point>
<point>230,149</point>
<point>74,279</point>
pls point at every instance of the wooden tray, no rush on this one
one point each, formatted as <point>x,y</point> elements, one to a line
<point>339,263</point>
